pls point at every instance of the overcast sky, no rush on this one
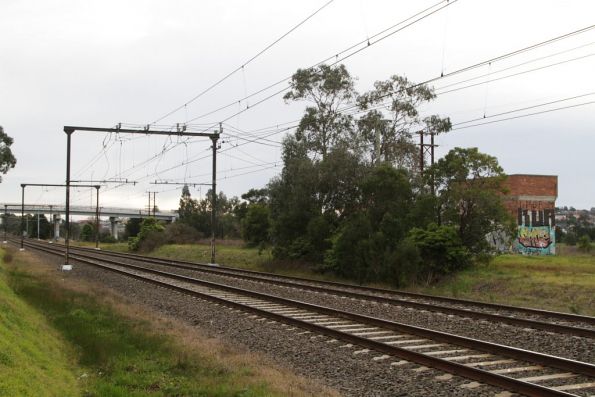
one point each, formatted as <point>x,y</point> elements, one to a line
<point>99,63</point>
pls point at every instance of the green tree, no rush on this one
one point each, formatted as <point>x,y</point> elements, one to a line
<point>365,246</point>
<point>328,88</point>
<point>132,227</point>
<point>87,233</point>
<point>7,159</point>
<point>392,115</point>
<point>293,201</point>
<point>189,207</point>
<point>469,186</point>
<point>256,224</point>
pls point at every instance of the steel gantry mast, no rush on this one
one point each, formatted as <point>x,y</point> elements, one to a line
<point>181,131</point>
<point>24,185</point>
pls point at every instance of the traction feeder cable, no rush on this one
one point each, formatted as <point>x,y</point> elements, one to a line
<point>525,108</point>
<point>335,56</point>
<point>337,60</point>
<point>194,160</point>
<point>515,66</point>
<point>243,65</point>
<point>525,115</point>
<point>516,74</point>
<point>386,103</point>
<point>381,105</point>
<point>458,71</point>
<point>500,78</point>
<point>490,122</point>
<point>479,64</point>
<point>499,58</point>
<point>448,2</point>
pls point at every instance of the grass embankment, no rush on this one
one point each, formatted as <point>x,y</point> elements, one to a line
<point>95,345</point>
<point>34,359</point>
<point>565,282</point>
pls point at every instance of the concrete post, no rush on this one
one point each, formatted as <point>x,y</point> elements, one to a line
<point>114,226</point>
<point>56,227</point>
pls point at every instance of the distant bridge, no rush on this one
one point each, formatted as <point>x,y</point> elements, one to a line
<point>112,212</point>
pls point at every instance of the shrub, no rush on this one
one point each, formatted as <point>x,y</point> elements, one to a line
<point>584,244</point>
<point>570,238</point>
<point>180,233</point>
<point>441,250</point>
<point>148,226</point>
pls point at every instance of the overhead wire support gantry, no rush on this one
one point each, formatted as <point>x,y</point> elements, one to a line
<point>121,181</point>
<point>180,131</point>
<point>193,184</point>
<point>67,186</point>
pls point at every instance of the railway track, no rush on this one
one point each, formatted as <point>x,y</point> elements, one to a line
<point>563,323</point>
<point>512,369</point>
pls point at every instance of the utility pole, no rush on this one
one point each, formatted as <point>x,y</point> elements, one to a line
<point>154,204</point>
<point>97,218</point>
<point>5,222</point>
<point>67,265</point>
<point>152,207</point>
<point>51,223</point>
<point>37,225</point>
<point>22,217</point>
<point>426,149</point>
<point>214,194</point>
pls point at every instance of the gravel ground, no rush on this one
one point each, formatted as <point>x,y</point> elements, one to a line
<point>576,348</point>
<point>316,357</point>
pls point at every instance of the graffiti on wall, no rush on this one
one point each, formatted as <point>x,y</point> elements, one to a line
<point>536,232</point>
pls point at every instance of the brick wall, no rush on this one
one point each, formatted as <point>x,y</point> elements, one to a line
<point>532,185</point>
<point>531,192</point>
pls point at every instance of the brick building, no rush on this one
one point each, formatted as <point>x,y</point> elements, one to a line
<point>531,200</point>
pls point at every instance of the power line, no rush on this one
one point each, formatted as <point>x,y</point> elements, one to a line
<point>510,54</point>
<point>448,2</point>
<point>516,74</point>
<point>525,115</point>
<point>243,65</point>
<point>367,41</point>
<point>525,108</point>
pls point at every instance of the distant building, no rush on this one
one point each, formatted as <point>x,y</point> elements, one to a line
<point>531,200</point>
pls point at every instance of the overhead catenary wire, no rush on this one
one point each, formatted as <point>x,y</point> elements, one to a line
<point>448,3</point>
<point>525,115</point>
<point>419,15</point>
<point>209,88</point>
<point>567,35</point>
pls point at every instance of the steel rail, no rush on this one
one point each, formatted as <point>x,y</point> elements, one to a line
<point>528,310</point>
<point>505,382</point>
<point>301,283</point>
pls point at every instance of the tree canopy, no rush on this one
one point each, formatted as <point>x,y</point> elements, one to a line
<point>7,159</point>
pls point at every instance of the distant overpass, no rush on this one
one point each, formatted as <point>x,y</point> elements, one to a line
<point>112,212</point>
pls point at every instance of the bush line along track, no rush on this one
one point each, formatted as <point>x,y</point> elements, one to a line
<point>301,283</point>
<point>423,346</point>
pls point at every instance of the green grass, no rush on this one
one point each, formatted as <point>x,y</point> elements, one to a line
<point>119,355</point>
<point>564,283</point>
<point>34,358</point>
<point>228,255</point>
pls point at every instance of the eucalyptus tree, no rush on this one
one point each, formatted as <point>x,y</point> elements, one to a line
<point>327,89</point>
<point>392,119</point>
